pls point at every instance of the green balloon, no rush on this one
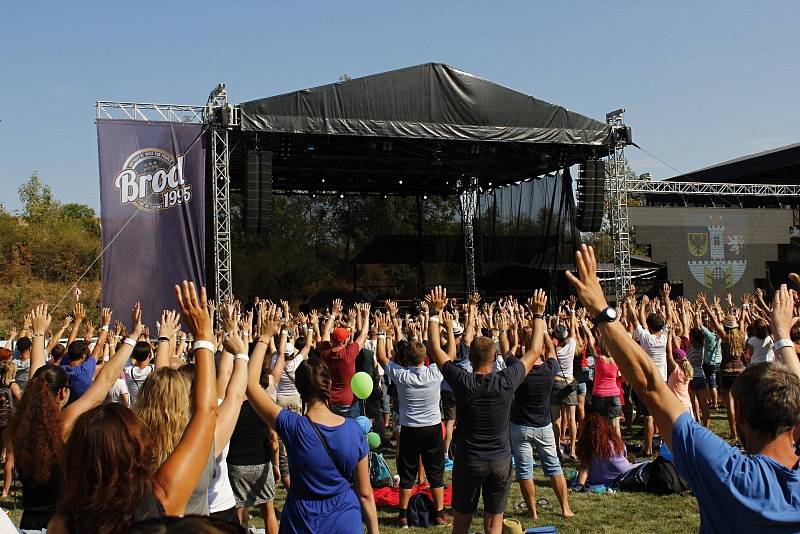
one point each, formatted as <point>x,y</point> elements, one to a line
<point>361,384</point>
<point>374,440</point>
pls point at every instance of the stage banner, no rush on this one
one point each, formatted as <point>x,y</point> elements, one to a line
<point>152,182</point>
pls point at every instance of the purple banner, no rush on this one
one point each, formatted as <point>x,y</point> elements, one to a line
<point>152,199</point>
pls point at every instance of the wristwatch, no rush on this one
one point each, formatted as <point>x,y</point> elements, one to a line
<point>609,315</point>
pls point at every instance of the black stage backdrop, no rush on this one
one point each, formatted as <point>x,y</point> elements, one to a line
<point>152,198</point>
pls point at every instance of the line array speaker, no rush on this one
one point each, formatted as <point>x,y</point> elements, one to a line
<point>258,191</point>
<point>591,195</point>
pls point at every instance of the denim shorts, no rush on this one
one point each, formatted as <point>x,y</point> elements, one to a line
<point>524,439</point>
<point>385,407</point>
<point>711,374</point>
<point>697,383</point>
<point>347,410</point>
<point>581,388</point>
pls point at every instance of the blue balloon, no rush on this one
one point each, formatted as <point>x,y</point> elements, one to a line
<point>665,452</point>
<point>364,423</point>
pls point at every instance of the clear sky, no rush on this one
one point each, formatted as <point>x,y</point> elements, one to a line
<point>702,81</point>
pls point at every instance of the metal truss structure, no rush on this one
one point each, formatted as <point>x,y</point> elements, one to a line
<point>618,203</point>
<point>148,112</point>
<point>468,207</point>
<point>220,117</point>
<point>704,188</point>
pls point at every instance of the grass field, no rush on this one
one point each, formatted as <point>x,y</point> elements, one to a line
<point>616,513</point>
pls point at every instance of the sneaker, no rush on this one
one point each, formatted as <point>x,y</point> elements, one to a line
<point>441,520</point>
<point>448,464</point>
<point>402,521</point>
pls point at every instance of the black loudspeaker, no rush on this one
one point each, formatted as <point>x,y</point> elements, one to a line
<point>258,191</point>
<point>591,196</point>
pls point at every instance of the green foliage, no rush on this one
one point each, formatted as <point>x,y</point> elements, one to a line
<point>51,242</point>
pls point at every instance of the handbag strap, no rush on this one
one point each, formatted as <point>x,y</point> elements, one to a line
<point>348,478</point>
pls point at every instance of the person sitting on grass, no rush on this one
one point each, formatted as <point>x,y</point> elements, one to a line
<point>602,457</point>
<point>755,490</point>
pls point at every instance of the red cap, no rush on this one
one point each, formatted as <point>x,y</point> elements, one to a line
<point>340,334</point>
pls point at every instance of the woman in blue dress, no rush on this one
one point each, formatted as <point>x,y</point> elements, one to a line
<point>326,453</point>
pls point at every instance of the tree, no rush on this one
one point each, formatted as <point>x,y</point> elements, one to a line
<point>74,210</point>
<point>37,199</point>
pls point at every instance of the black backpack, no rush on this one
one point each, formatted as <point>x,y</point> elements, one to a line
<point>663,479</point>
<point>421,510</point>
<point>6,406</point>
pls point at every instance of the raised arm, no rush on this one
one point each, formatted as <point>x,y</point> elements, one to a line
<point>638,369</point>
<point>102,336</point>
<point>782,320</point>
<point>166,332</point>
<point>538,303</point>
<point>79,312</point>
<point>178,475</point>
<point>40,322</point>
<point>668,311</point>
<point>336,309</point>
<point>261,401</point>
<point>234,394</point>
<point>57,336</point>
<point>363,310</point>
<point>438,298</point>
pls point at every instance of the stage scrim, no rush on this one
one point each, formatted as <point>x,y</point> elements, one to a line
<point>715,250</point>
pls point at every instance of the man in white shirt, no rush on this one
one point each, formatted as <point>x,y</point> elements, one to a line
<point>418,394</point>
<point>655,342</point>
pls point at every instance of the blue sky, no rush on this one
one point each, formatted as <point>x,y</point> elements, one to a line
<point>702,81</point>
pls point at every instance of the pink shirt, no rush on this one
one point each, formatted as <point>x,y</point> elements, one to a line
<point>678,383</point>
<point>605,378</point>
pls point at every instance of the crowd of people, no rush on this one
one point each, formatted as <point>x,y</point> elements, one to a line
<point>121,431</point>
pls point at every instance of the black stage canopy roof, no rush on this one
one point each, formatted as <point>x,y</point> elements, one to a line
<point>430,126</point>
<point>776,166</point>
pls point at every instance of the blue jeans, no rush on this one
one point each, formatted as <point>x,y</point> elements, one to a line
<point>523,439</point>
<point>347,410</point>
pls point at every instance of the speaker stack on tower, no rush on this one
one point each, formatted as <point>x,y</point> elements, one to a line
<point>258,191</point>
<point>591,195</point>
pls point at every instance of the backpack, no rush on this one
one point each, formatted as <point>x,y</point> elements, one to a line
<point>420,510</point>
<point>663,479</point>
<point>379,474</point>
<point>6,406</point>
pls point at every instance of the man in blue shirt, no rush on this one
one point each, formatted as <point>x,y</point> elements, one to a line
<point>754,491</point>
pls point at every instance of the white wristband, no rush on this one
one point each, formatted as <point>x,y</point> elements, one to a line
<point>434,318</point>
<point>129,341</point>
<point>104,327</point>
<point>242,356</point>
<point>245,334</point>
<point>781,343</point>
<point>381,336</point>
<point>203,344</point>
<point>284,332</point>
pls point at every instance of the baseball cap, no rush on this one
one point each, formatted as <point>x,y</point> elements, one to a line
<point>340,334</point>
<point>458,329</point>
<point>679,355</point>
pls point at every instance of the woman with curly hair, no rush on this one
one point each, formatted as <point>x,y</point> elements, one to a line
<point>113,477</point>
<point>43,421</point>
<point>601,452</point>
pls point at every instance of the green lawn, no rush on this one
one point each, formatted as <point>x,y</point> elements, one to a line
<point>608,513</point>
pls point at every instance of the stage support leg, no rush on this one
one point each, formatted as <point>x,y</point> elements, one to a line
<point>220,181</point>
<point>620,231</point>
<point>420,266</point>
<point>468,203</point>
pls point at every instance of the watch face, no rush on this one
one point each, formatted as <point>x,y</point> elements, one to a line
<point>612,313</point>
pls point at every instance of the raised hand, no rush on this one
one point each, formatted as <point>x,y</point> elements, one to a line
<point>194,310</point>
<point>269,322</point>
<point>229,318</point>
<point>40,319</point>
<point>136,321</point>
<point>391,307</point>
<point>665,291</point>
<point>169,323</point>
<point>586,283</point>
<point>538,302</point>
<point>337,307</point>
<point>67,322</point>
<point>79,311</point>
<point>437,298</point>
<point>89,330</point>
<point>105,317</point>
<point>782,313</point>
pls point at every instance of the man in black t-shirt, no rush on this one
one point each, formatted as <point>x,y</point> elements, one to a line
<point>531,426</point>
<point>483,405</point>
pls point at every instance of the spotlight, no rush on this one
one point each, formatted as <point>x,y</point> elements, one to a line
<point>323,180</point>
<point>424,197</point>
<point>341,195</point>
<point>400,182</point>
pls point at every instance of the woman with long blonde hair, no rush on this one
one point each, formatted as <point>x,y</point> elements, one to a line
<point>163,406</point>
